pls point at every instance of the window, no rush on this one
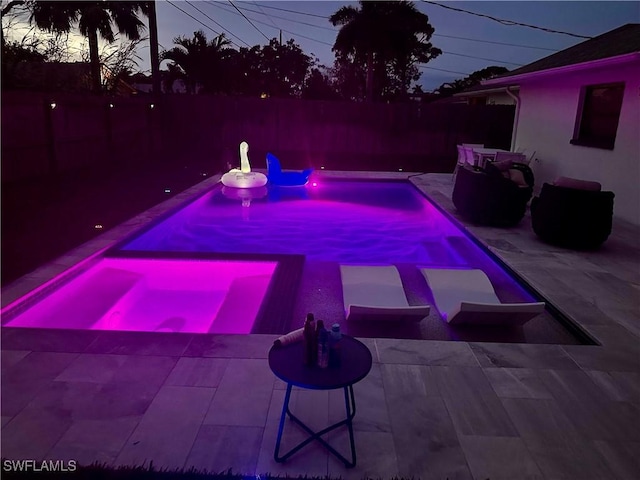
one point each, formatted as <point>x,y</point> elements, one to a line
<point>598,115</point>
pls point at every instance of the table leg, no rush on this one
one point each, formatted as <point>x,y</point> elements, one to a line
<point>285,410</point>
<point>350,407</point>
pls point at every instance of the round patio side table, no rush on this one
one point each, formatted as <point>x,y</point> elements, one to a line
<point>286,362</point>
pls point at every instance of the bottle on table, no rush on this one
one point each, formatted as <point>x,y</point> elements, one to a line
<point>309,333</point>
<point>335,352</point>
<point>322,345</point>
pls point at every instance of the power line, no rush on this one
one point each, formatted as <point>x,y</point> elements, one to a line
<point>287,31</point>
<point>435,34</point>
<point>293,11</point>
<point>245,17</point>
<point>289,19</point>
<point>189,15</point>
<point>329,44</point>
<point>230,33</point>
<point>268,16</point>
<point>481,58</point>
<point>495,43</point>
<point>505,22</point>
<point>443,70</point>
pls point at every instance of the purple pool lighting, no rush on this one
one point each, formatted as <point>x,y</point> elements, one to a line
<point>153,295</point>
<point>152,282</point>
<point>346,222</point>
<point>331,222</point>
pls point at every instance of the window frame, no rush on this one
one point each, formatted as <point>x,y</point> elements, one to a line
<point>584,113</point>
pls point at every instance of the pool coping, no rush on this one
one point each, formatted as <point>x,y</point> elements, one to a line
<point>613,342</point>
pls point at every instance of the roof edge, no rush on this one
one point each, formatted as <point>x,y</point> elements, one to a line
<point>498,89</point>
<point>603,62</point>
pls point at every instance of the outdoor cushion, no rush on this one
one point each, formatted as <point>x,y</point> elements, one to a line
<point>578,184</point>
<point>517,177</point>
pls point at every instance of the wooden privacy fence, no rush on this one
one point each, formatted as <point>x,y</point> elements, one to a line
<point>39,138</point>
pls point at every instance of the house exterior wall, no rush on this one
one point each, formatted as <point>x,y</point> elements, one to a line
<point>548,112</point>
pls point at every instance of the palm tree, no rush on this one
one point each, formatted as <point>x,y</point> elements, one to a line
<point>382,34</point>
<point>200,59</point>
<point>93,18</point>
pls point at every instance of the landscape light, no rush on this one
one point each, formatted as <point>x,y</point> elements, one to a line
<point>314,184</point>
<point>399,169</point>
<point>322,167</point>
<point>167,190</point>
<point>98,226</point>
<point>111,105</point>
<point>53,105</point>
<point>151,106</point>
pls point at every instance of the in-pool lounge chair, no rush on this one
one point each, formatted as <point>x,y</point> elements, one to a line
<point>467,296</point>
<point>376,292</point>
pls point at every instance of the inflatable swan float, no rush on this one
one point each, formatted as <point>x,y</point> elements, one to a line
<point>244,177</point>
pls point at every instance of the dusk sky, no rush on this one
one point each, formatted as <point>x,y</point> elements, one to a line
<point>469,42</point>
<point>314,33</point>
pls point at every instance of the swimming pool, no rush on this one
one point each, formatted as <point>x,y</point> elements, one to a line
<point>320,226</point>
<point>338,221</point>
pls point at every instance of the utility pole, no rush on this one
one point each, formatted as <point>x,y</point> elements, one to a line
<point>280,37</point>
<point>153,48</point>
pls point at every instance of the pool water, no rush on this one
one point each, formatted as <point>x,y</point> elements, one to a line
<point>223,263</point>
<point>345,222</point>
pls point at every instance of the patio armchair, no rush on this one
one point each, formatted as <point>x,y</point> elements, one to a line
<point>491,196</point>
<point>573,213</point>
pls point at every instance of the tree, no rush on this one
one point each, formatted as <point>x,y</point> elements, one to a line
<point>284,68</point>
<point>201,60</point>
<point>119,62</point>
<point>318,86</point>
<point>93,18</point>
<point>348,78</point>
<point>389,38</point>
<point>275,70</point>
<point>451,88</point>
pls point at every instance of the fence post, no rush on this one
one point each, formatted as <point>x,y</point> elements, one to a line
<point>49,106</point>
<point>109,131</point>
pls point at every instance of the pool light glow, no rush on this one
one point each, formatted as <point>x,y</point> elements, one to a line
<point>153,295</point>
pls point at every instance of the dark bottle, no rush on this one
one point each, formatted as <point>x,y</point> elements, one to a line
<point>309,333</point>
<point>322,345</point>
<point>335,352</point>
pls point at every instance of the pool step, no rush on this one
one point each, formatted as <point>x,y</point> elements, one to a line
<point>277,309</point>
<point>80,307</point>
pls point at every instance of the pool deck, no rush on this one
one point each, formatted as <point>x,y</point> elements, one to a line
<point>428,409</point>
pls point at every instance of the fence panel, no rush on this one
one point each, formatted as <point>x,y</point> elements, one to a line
<point>85,131</point>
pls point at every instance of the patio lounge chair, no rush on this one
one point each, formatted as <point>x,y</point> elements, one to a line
<point>376,292</point>
<point>467,296</point>
<point>290,179</point>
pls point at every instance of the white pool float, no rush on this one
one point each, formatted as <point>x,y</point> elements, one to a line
<point>244,177</point>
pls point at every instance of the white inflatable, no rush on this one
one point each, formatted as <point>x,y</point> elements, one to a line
<point>244,177</point>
